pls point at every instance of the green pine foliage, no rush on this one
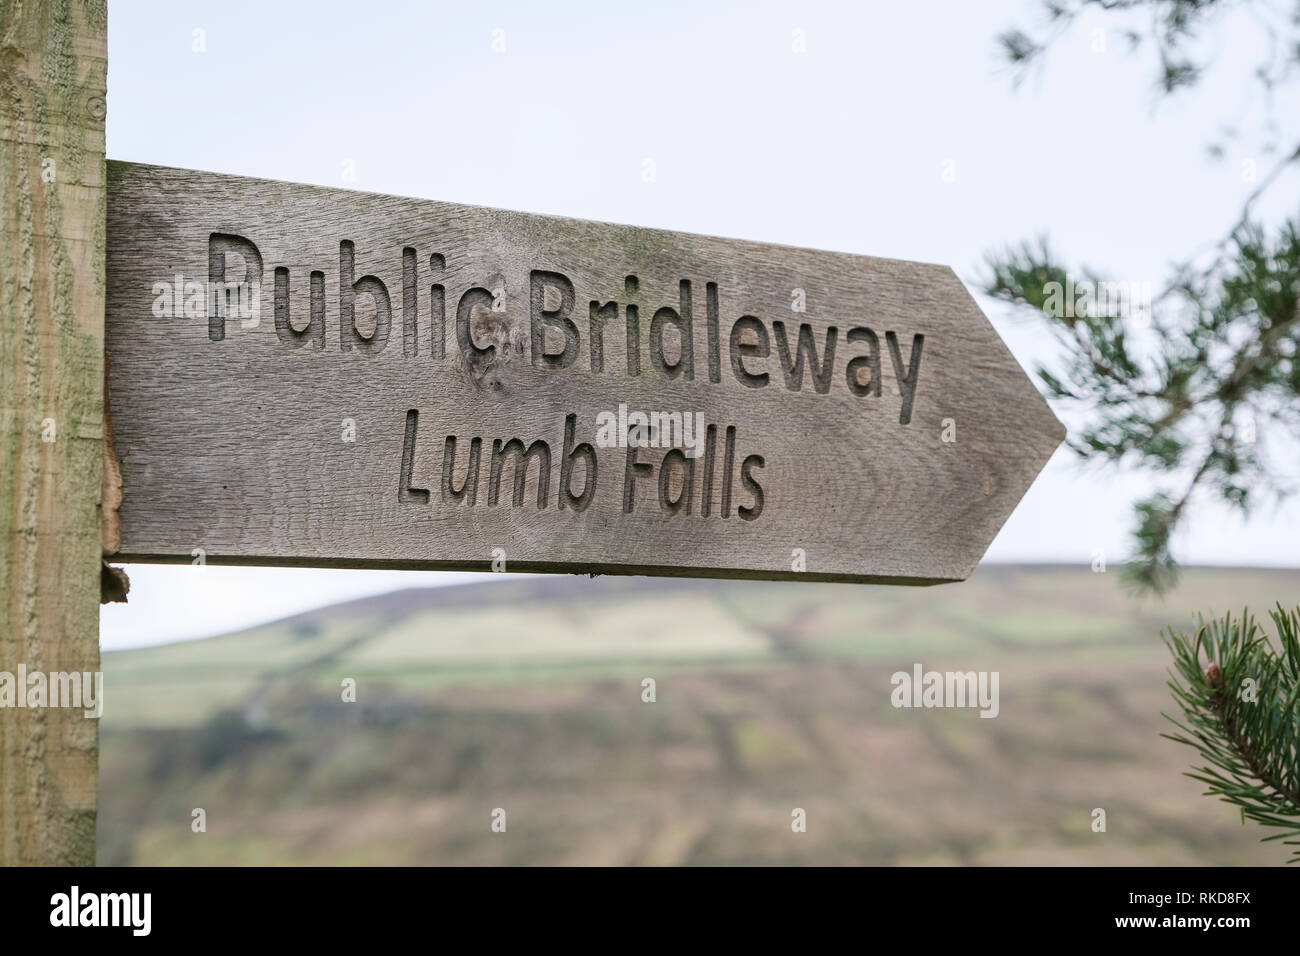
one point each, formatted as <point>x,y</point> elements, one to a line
<point>1203,388</point>
<point>1240,701</point>
<point>1197,394</point>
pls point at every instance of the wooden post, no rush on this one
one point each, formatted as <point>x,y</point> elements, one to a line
<point>53,62</point>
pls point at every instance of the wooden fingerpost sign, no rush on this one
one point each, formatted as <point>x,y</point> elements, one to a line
<point>313,376</point>
<point>321,377</point>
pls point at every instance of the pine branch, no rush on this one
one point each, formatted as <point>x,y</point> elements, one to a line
<point>1240,714</point>
<point>1188,384</point>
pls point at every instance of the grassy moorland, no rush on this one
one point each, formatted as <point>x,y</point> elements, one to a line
<point>525,694</point>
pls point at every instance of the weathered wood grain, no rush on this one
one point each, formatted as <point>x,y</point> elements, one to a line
<point>52,76</point>
<point>232,436</point>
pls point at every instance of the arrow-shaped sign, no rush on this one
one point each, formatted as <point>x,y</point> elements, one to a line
<point>312,376</point>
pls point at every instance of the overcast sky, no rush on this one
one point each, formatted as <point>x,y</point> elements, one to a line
<point>843,146</point>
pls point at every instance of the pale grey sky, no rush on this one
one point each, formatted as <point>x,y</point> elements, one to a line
<point>840,147</point>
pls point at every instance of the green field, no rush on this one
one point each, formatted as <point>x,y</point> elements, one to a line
<point>525,694</point>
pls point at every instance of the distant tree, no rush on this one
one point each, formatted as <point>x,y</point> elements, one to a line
<point>1201,385</point>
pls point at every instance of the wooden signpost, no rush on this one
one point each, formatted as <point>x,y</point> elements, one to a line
<point>315,376</point>
<point>309,376</point>
<point>52,74</point>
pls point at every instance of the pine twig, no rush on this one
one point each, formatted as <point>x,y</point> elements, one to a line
<point>1241,715</point>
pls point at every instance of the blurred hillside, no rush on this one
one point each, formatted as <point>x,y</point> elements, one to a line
<point>525,694</point>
